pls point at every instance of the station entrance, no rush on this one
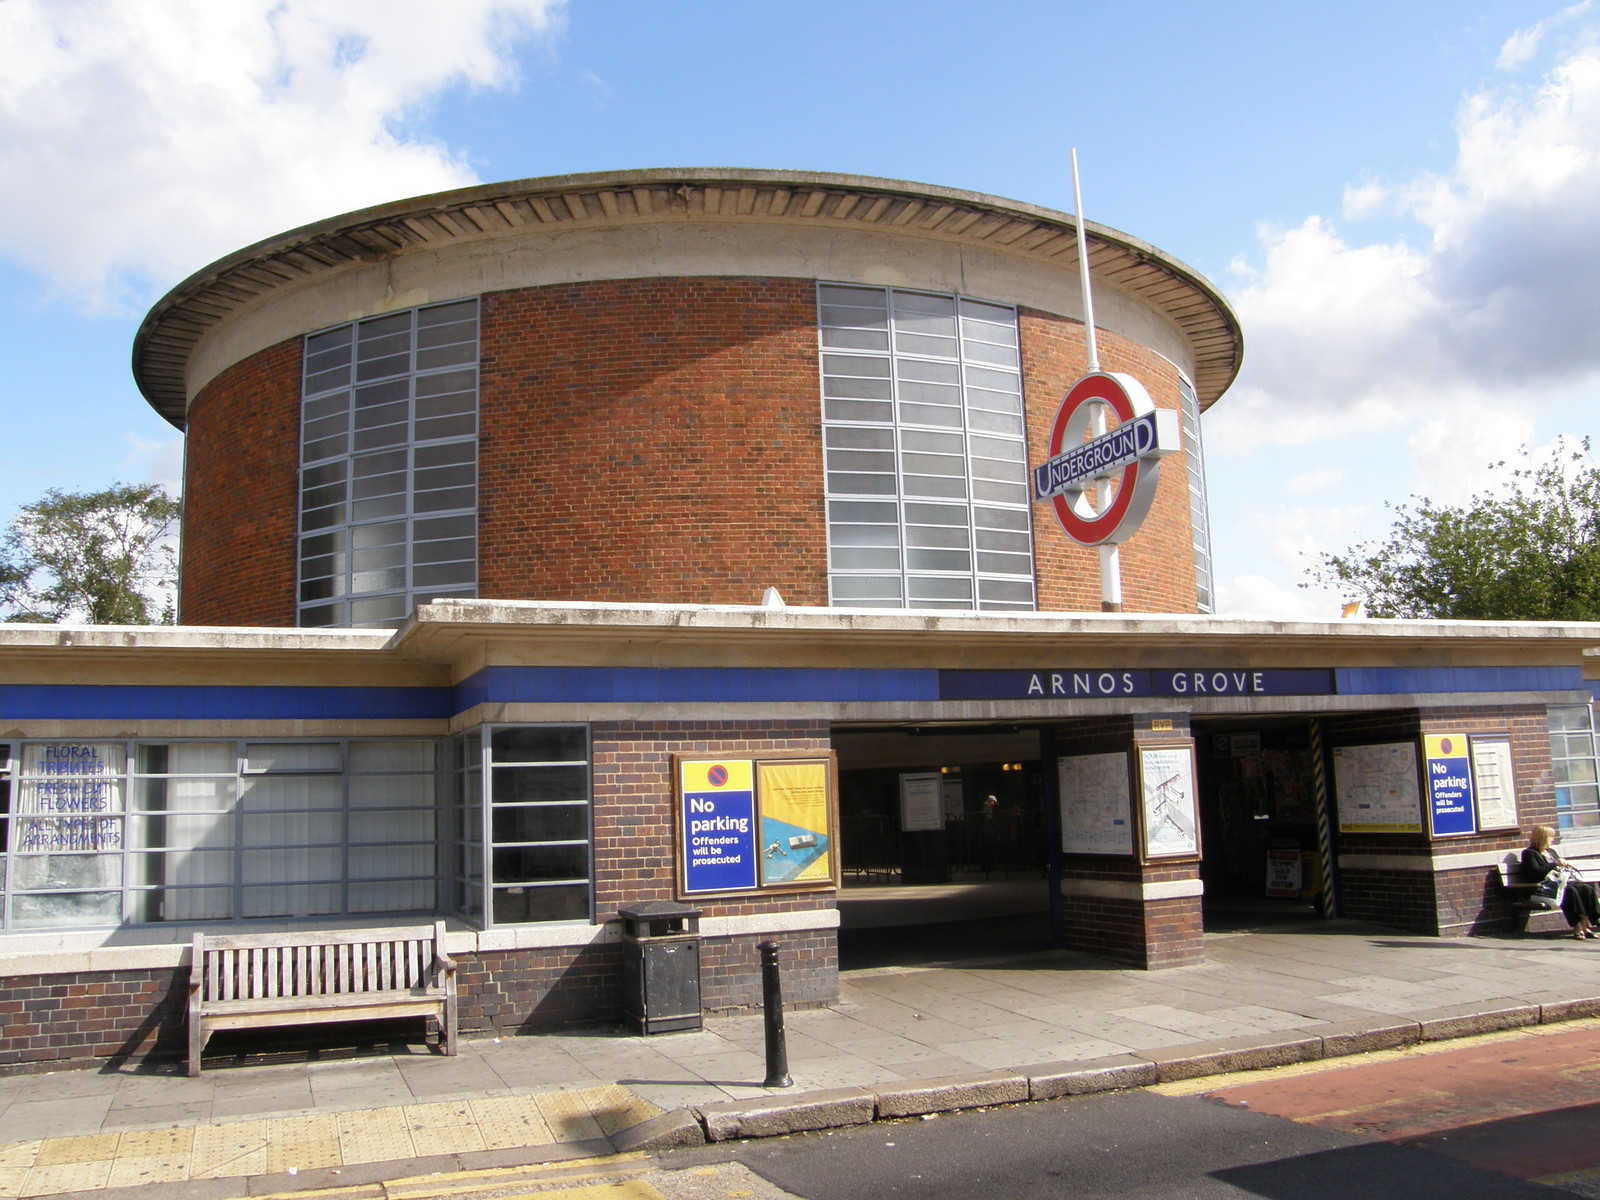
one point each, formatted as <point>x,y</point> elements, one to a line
<point>944,838</point>
<point>955,872</point>
<point>1256,784</point>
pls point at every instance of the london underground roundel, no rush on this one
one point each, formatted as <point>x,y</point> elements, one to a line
<point>1128,455</point>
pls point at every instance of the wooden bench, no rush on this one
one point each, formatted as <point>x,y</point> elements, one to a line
<point>257,981</point>
<point>1519,885</point>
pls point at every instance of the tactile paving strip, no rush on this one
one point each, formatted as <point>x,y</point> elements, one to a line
<point>263,1145</point>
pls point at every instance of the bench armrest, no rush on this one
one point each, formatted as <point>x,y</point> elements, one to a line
<point>443,965</point>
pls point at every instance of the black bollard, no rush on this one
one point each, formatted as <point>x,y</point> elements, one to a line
<point>772,1008</point>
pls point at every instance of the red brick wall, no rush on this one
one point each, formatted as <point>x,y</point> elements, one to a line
<point>48,1021</point>
<point>80,1020</point>
<point>642,440</point>
<point>1452,901</point>
<point>1158,562</point>
<point>1150,933</point>
<point>653,439</point>
<point>241,495</point>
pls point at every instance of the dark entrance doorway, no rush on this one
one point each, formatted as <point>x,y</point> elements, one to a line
<point>949,874</point>
<point>1256,781</point>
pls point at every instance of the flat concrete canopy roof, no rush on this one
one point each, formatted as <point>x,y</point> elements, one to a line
<point>447,641</point>
<point>173,329</point>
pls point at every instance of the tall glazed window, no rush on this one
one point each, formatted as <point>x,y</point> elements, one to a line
<point>1199,506</point>
<point>539,823</point>
<point>389,466</point>
<point>925,451</point>
<point>1574,764</point>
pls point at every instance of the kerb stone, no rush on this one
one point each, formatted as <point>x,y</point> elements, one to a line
<point>680,1127</point>
<point>952,1092</point>
<point>1251,1053</point>
<point>1466,1020</point>
<point>1050,1081</point>
<point>763,1117</point>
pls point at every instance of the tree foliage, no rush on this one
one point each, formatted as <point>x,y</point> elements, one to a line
<point>1528,550</point>
<point>104,558</point>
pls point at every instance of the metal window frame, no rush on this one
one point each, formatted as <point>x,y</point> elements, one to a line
<point>1199,496</point>
<point>130,777</point>
<point>487,844</point>
<point>1563,815</point>
<point>898,429</point>
<point>342,604</point>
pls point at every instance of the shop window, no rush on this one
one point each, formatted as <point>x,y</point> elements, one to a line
<point>1572,759</point>
<point>1199,506</point>
<point>107,833</point>
<point>66,855</point>
<point>389,464</point>
<point>925,451</point>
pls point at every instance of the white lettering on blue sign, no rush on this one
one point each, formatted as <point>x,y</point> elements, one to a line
<point>1097,458</point>
<point>1081,683</point>
<point>1218,683</point>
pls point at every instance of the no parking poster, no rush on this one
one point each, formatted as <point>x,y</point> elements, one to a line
<point>756,824</point>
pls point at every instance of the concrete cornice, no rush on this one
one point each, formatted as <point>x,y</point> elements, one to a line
<point>169,335</point>
<point>201,655</point>
<point>470,634</point>
<point>448,641</point>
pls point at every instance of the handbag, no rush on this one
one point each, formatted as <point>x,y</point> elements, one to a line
<point>1551,889</point>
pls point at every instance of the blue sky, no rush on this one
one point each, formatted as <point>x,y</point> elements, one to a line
<point>1398,198</point>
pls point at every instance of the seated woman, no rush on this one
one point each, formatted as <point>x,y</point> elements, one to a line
<point>1579,904</point>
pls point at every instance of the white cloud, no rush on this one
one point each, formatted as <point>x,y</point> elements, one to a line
<point>1314,481</point>
<point>1258,596</point>
<point>1481,324</point>
<point>1523,45</point>
<point>1453,453</point>
<point>138,141</point>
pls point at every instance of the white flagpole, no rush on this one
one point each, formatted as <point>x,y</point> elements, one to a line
<point>1110,560</point>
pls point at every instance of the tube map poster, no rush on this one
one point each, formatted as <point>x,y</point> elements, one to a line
<point>795,846</point>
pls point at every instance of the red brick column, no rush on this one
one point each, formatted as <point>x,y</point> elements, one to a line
<point>1141,911</point>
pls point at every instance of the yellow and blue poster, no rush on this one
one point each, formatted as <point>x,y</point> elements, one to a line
<point>718,825</point>
<point>795,842</point>
<point>1448,762</point>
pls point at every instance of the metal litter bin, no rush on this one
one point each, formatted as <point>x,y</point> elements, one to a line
<point>661,966</point>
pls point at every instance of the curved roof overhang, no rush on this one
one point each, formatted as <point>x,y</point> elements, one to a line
<point>169,335</point>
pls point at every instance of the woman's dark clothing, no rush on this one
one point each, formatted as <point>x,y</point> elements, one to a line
<point>1580,899</point>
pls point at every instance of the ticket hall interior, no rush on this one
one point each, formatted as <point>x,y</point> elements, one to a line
<point>980,886</point>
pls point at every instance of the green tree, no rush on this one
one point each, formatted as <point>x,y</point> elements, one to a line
<point>106,558</point>
<point>1528,550</point>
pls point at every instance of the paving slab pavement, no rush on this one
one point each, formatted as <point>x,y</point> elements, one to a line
<point>897,1038</point>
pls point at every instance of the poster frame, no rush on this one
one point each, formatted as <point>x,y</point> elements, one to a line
<point>1143,807</point>
<point>934,782</point>
<point>1494,737</point>
<point>829,761</point>
<point>1417,824</point>
<point>1131,823</point>
<point>1429,799</point>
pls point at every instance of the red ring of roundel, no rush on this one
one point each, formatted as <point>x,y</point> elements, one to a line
<point>1108,390</point>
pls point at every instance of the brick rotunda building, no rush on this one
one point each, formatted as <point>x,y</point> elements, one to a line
<point>559,546</point>
<point>667,387</point>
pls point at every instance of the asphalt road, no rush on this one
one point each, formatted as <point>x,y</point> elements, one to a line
<point>1486,1119</point>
